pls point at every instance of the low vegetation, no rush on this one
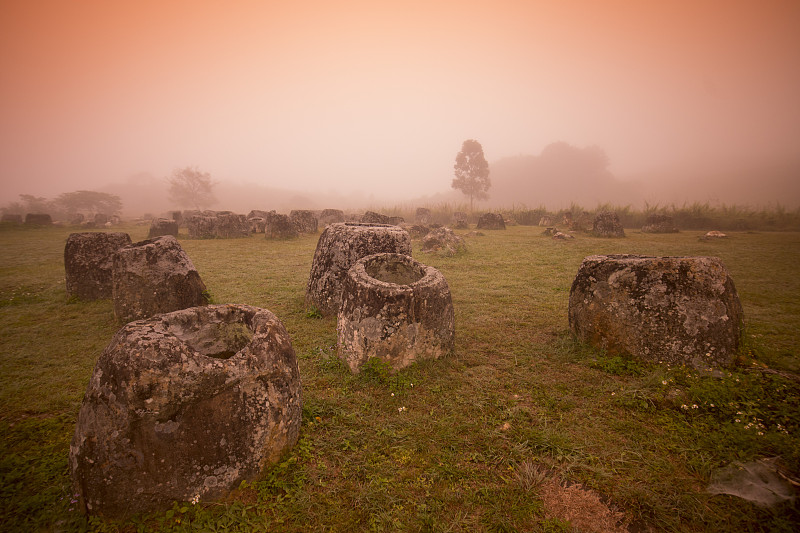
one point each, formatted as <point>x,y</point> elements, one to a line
<point>694,216</point>
<point>520,429</point>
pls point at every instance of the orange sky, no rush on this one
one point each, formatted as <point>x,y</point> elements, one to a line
<point>377,96</point>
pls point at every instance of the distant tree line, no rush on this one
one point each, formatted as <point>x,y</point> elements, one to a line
<point>560,174</point>
<point>188,187</point>
<point>66,206</point>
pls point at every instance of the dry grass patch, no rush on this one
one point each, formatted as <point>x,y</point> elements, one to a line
<point>581,507</point>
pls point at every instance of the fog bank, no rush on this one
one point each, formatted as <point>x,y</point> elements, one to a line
<point>356,100</point>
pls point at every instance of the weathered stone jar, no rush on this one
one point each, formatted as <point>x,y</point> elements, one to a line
<point>89,261</point>
<point>304,220</point>
<point>676,310</point>
<point>443,241</point>
<point>396,309</point>
<point>491,221</point>
<point>607,224</point>
<point>182,405</point>
<point>163,226</point>
<point>338,248</point>
<point>154,276</point>
<point>330,216</point>
<point>279,226</point>
<point>659,224</point>
<point>231,226</point>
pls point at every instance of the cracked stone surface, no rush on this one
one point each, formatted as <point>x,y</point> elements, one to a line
<point>677,310</point>
<point>185,404</point>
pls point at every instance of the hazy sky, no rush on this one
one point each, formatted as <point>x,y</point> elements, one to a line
<point>377,96</point>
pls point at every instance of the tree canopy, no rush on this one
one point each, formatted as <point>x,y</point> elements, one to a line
<point>188,187</point>
<point>88,202</point>
<point>562,174</point>
<point>472,171</point>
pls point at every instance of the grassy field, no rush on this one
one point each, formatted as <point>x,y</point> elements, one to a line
<point>521,429</point>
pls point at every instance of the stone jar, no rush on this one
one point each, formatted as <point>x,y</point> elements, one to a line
<point>676,310</point>
<point>396,309</point>
<point>185,405</point>
<point>423,216</point>
<point>443,241</point>
<point>257,224</point>
<point>491,221</point>
<point>163,226</point>
<point>460,220</point>
<point>331,216</point>
<point>38,219</point>
<point>9,218</point>
<point>304,220</point>
<point>338,248</point>
<point>371,217</point>
<point>200,226</point>
<point>279,227</point>
<point>607,224</point>
<point>659,224</point>
<point>154,276</point>
<point>231,226</point>
<point>89,261</point>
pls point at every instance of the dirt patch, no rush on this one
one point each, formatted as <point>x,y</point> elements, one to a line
<point>581,507</point>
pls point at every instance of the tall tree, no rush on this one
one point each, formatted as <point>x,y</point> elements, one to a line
<point>189,187</point>
<point>472,172</point>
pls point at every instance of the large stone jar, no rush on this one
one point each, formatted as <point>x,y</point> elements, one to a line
<point>183,405</point>
<point>201,225</point>
<point>396,309</point>
<point>331,216</point>
<point>304,220</point>
<point>491,221</point>
<point>280,226</point>
<point>607,224</point>
<point>163,226</point>
<point>154,276</point>
<point>231,226</point>
<point>676,310</point>
<point>89,261</point>
<point>338,248</point>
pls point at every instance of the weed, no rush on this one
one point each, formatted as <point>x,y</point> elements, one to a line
<point>556,525</point>
<point>208,297</point>
<point>376,370</point>
<point>313,312</point>
<point>529,476</point>
<point>619,366</point>
<point>234,335</point>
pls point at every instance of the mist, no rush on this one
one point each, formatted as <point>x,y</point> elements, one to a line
<point>355,103</point>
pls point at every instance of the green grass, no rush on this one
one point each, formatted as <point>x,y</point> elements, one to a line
<point>443,445</point>
<point>696,216</point>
